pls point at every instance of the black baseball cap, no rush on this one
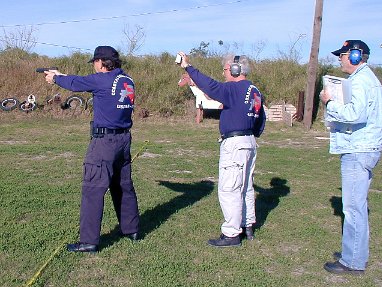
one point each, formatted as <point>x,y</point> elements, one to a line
<point>105,53</point>
<point>352,44</point>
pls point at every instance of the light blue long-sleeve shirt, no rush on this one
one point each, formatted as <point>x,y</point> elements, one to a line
<point>357,125</point>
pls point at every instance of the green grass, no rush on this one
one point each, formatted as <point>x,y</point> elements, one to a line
<point>175,174</point>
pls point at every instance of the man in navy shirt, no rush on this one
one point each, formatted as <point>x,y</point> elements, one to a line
<point>242,105</point>
<point>107,164</point>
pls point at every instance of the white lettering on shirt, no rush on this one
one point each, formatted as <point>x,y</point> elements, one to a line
<point>125,106</point>
<point>114,87</point>
<point>248,94</point>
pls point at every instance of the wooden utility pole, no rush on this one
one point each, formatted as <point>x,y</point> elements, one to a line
<point>313,63</point>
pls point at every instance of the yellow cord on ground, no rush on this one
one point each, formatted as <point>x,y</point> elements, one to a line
<point>137,154</point>
<point>38,273</point>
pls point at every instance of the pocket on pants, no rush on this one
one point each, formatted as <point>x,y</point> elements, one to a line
<point>92,171</point>
<point>231,176</point>
<point>372,160</point>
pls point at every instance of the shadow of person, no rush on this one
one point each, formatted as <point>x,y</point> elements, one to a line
<point>153,218</point>
<point>336,202</point>
<point>268,199</point>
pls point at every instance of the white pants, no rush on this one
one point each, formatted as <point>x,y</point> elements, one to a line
<point>235,191</point>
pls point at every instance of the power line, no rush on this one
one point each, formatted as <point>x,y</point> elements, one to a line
<point>125,16</point>
<point>62,46</point>
<point>49,44</point>
<point>110,18</point>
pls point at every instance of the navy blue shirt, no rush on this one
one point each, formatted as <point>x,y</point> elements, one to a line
<point>113,96</point>
<point>238,99</point>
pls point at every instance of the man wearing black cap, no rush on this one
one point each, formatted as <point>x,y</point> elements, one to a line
<point>356,135</point>
<point>107,164</point>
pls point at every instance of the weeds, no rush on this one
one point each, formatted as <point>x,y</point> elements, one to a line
<point>156,78</point>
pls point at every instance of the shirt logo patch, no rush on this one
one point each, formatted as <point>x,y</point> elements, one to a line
<point>253,98</point>
<point>256,102</point>
<point>127,92</point>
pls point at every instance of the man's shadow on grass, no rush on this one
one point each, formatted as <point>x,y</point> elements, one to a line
<point>268,199</point>
<point>336,202</point>
<point>153,218</point>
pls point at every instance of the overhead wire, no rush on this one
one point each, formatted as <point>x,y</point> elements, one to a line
<point>124,16</point>
<point>50,44</point>
<point>111,18</point>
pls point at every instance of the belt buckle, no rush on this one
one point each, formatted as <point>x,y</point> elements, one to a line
<point>98,132</point>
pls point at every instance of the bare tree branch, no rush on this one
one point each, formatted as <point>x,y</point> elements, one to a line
<point>22,39</point>
<point>134,38</point>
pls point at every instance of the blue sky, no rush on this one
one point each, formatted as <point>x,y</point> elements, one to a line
<point>170,26</point>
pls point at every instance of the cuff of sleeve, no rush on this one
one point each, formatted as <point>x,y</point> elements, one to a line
<point>327,102</point>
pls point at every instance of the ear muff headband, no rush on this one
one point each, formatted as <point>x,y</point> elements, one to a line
<point>235,67</point>
<point>355,56</point>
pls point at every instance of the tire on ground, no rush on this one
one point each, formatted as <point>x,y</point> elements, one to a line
<point>27,107</point>
<point>9,104</point>
<point>73,102</point>
<point>89,104</point>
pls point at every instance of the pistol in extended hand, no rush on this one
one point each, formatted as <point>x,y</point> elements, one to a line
<point>42,70</point>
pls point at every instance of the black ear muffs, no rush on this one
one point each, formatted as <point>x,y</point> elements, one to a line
<point>235,67</point>
<point>355,56</point>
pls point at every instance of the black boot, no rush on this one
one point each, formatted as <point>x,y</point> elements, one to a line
<point>247,233</point>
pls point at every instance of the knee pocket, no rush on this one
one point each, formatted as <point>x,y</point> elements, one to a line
<point>92,171</point>
<point>231,176</point>
<point>96,174</point>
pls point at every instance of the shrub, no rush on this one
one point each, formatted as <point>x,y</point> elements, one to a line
<point>156,77</point>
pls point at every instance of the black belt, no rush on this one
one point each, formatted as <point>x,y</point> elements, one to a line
<point>106,131</point>
<point>237,134</point>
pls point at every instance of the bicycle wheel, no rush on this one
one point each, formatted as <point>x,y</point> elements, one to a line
<point>73,102</point>
<point>27,106</point>
<point>9,104</point>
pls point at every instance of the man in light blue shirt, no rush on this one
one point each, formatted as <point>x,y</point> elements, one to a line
<point>356,135</point>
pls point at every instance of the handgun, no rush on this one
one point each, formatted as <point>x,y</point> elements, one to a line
<point>42,70</point>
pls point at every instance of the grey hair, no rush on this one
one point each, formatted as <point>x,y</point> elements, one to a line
<point>365,57</point>
<point>243,61</point>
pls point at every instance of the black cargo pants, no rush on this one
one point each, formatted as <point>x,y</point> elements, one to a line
<point>108,165</point>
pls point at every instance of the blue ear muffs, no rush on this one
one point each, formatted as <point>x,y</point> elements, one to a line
<point>235,67</point>
<point>355,56</point>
